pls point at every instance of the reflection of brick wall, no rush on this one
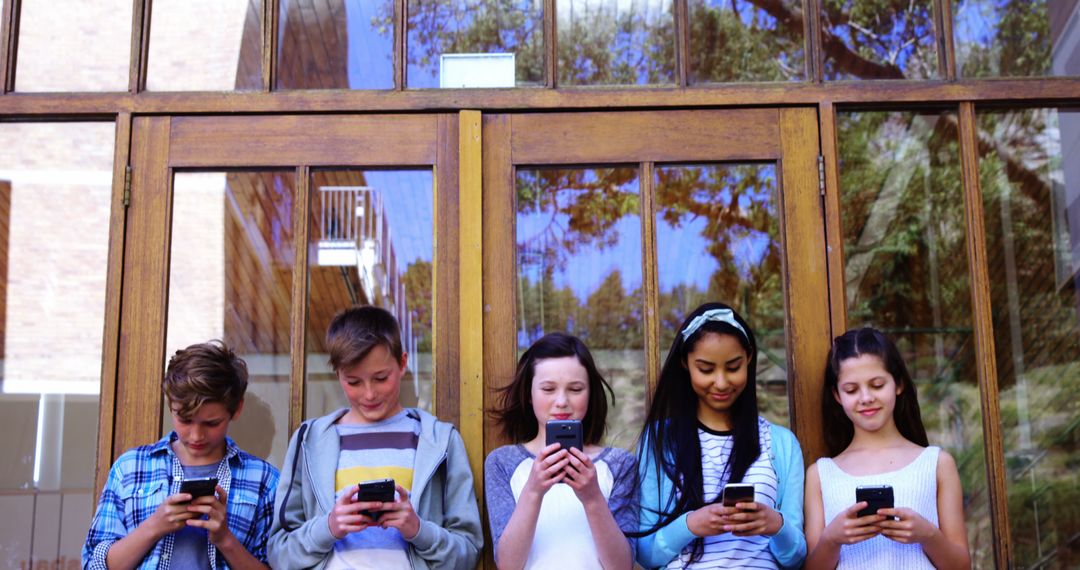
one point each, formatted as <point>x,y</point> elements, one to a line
<point>197,261</point>
<point>57,251</point>
<point>66,43</point>
<point>210,63</point>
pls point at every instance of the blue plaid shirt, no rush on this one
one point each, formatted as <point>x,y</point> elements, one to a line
<point>143,477</point>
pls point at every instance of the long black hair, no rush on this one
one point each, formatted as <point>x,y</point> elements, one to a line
<point>839,431</point>
<point>670,436</point>
<point>514,413</point>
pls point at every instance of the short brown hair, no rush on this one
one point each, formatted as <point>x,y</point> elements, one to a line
<point>355,331</point>
<point>205,372</point>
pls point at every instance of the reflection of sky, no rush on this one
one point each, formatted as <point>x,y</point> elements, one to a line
<point>976,21</point>
<point>409,204</point>
<point>682,252</point>
<point>371,56</point>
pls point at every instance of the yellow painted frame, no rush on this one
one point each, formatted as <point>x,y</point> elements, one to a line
<point>470,293</point>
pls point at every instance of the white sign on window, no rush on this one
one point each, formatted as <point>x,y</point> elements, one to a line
<point>458,70</point>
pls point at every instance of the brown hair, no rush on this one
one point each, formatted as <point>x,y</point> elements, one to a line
<point>355,331</point>
<point>515,416</point>
<point>205,372</point>
<point>839,430</point>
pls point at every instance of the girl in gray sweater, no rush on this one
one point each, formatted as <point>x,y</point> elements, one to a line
<point>550,506</point>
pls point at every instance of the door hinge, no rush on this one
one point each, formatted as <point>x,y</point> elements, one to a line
<point>821,174</point>
<point>127,186</point>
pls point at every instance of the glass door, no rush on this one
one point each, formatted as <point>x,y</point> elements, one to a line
<point>257,230</point>
<point>614,226</point>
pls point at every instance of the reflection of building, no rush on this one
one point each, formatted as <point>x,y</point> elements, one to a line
<point>356,235</point>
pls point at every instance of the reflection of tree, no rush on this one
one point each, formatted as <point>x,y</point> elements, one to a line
<point>746,41</point>
<point>418,297</point>
<point>602,43</point>
<point>437,27</point>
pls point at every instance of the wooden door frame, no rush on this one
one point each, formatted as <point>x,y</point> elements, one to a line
<point>163,144</point>
<point>788,136</point>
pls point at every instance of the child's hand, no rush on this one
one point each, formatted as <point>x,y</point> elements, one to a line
<point>400,515</point>
<point>708,520</point>
<point>849,528</point>
<point>548,469</point>
<point>581,476</point>
<point>171,515</point>
<point>216,521</point>
<point>912,528</point>
<point>751,519</point>
<point>346,518</point>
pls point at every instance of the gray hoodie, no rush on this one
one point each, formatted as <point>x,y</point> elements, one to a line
<point>450,534</point>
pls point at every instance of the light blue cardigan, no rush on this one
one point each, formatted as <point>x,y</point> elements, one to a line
<point>788,546</point>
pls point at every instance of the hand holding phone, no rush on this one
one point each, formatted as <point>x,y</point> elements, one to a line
<point>875,496</point>
<point>567,433</point>
<point>375,491</point>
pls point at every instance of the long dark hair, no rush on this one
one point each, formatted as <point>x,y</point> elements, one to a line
<point>515,416</point>
<point>839,431</point>
<point>670,436</point>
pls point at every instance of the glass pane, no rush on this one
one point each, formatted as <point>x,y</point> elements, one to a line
<point>616,42</point>
<point>905,272</point>
<point>470,43</point>
<point>336,44</point>
<point>718,239</point>
<point>735,40</point>
<point>55,200</point>
<point>1031,187</point>
<point>74,45</point>
<point>230,278</point>
<point>879,40</point>
<point>579,271</point>
<point>1015,38</point>
<point>372,243</point>
<point>205,45</point>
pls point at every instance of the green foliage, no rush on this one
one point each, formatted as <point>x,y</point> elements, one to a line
<point>737,41</point>
<point>1018,46</point>
<point>419,297</point>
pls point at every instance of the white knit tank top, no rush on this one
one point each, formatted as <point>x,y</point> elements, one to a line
<point>914,486</point>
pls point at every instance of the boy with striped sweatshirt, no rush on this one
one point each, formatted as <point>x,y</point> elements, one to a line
<point>320,521</point>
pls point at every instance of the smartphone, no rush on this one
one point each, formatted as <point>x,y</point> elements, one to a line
<point>376,490</point>
<point>735,493</point>
<point>876,497</point>
<point>566,433</point>
<point>199,487</point>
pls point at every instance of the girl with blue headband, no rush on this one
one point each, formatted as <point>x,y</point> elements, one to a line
<point>703,432</point>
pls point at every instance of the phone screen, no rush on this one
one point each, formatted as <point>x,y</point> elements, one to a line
<point>735,493</point>
<point>201,487</point>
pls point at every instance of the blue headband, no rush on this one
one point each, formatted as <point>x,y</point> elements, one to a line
<point>720,315</point>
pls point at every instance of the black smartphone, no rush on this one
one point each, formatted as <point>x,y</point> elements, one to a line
<point>566,433</point>
<point>376,490</point>
<point>876,497</point>
<point>735,493</point>
<point>199,487</point>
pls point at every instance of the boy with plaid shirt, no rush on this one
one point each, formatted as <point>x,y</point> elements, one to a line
<point>143,521</point>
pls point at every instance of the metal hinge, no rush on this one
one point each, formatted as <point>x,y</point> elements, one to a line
<point>127,186</point>
<point>821,174</point>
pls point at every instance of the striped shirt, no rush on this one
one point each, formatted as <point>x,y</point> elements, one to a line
<point>143,477</point>
<point>382,450</point>
<point>726,550</point>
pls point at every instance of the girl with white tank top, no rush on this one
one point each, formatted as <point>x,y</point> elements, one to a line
<point>875,436</point>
